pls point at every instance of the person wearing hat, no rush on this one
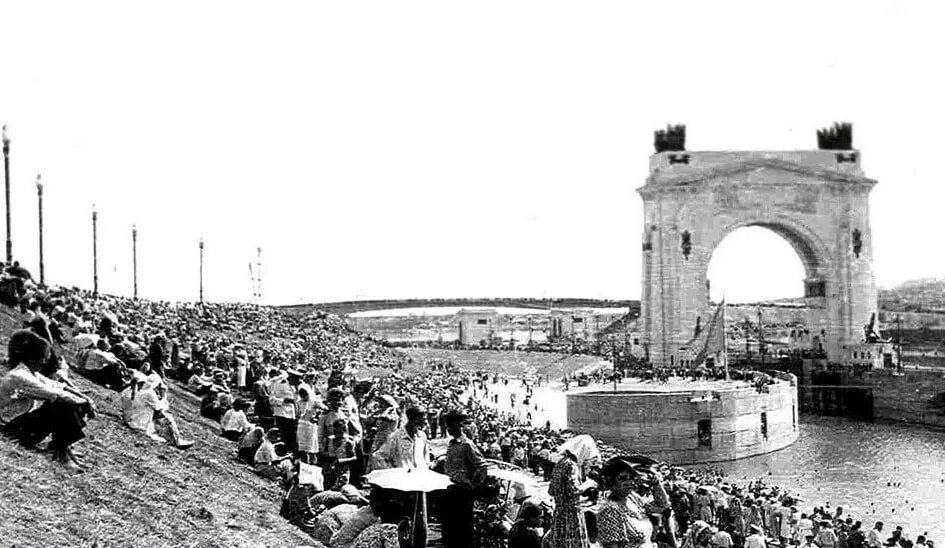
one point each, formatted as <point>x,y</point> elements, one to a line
<point>526,532</point>
<point>809,541</point>
<point>33,407</point>
<point>283,400</point>
<point>698,535</point>
<point>234,423</point>
<point>826,536</point>
<point>568,528</point>
<point>406,447</point>
<point>624,517</point>
<point>466,468</point>
<point>262,392</point>
<point>337,411</point>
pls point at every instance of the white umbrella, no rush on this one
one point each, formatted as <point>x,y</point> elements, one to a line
<point>513,476</point>
<point>409,479</point>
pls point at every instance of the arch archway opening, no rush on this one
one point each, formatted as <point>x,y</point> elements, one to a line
<point>755,264</point>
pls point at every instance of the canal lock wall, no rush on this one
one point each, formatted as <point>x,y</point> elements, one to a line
<point>916,396</point>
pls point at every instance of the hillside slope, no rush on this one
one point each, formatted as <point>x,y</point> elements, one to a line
<point>137,492</point>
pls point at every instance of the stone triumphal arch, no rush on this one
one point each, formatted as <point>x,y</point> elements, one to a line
<point>816,200</point>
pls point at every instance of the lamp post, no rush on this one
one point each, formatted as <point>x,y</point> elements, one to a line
<point>201,270</point>
<point>39,195</point>
<point>134,258</point>
<point>6,171</point>
<point>94,251</point>
<point>259,274</point>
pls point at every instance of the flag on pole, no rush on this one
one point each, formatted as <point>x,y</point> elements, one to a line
<point>714,338</point>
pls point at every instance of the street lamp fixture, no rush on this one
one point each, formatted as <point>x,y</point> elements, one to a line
<point>94,250</point>
<point>134,257</point>
<point>39,196</point>
<point>201,270</point>
<point>6,179</point>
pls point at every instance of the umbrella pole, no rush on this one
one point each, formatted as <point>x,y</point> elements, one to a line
<point>419,529</point>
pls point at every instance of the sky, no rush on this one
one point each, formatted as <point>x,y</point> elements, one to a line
<point>442,149</point>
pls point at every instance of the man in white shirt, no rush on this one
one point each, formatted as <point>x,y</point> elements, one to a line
<point>32,406</point>
<point>283,398</point>
<point>149,404</point>
<point>234,422</point>
<point>406,447</point>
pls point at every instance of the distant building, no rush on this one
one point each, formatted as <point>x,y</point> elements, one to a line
<point>476,325</point>
<point>876,355</point>
<point>574,325</point>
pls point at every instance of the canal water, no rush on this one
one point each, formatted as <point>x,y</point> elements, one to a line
<point>877,471</point>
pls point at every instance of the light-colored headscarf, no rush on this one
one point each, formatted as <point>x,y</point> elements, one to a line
<point>583,448</point>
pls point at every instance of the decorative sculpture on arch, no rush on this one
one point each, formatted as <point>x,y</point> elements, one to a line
<point>686,244</point>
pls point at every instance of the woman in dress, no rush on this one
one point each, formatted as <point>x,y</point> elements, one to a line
<point>308,409</point>
<point>623,520</point>
<point>568,528</point>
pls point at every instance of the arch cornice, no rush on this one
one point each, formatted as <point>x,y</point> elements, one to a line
<point>693,179</point>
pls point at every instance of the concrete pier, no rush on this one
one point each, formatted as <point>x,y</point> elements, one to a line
<point>689,422</point>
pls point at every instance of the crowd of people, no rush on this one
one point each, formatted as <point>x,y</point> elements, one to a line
<point>283,388</point>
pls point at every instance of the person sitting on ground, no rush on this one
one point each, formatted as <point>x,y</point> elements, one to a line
<point>12,290</point>
<point>18,271</point>
<point>198,382</point>
<point>130,352</point>
<point>339,494</point>
<point>234,422</point>
<point>102,367</point>
<point>331,520</point>
<point>210,405</point>
<point>249,444</point>
<point>384,533</point>
<point>296,505</point>
<point>46,328</point>
<point>149,408</point>
<point>363,518</point>
<point>267,461</point>
<point>32,406</point>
